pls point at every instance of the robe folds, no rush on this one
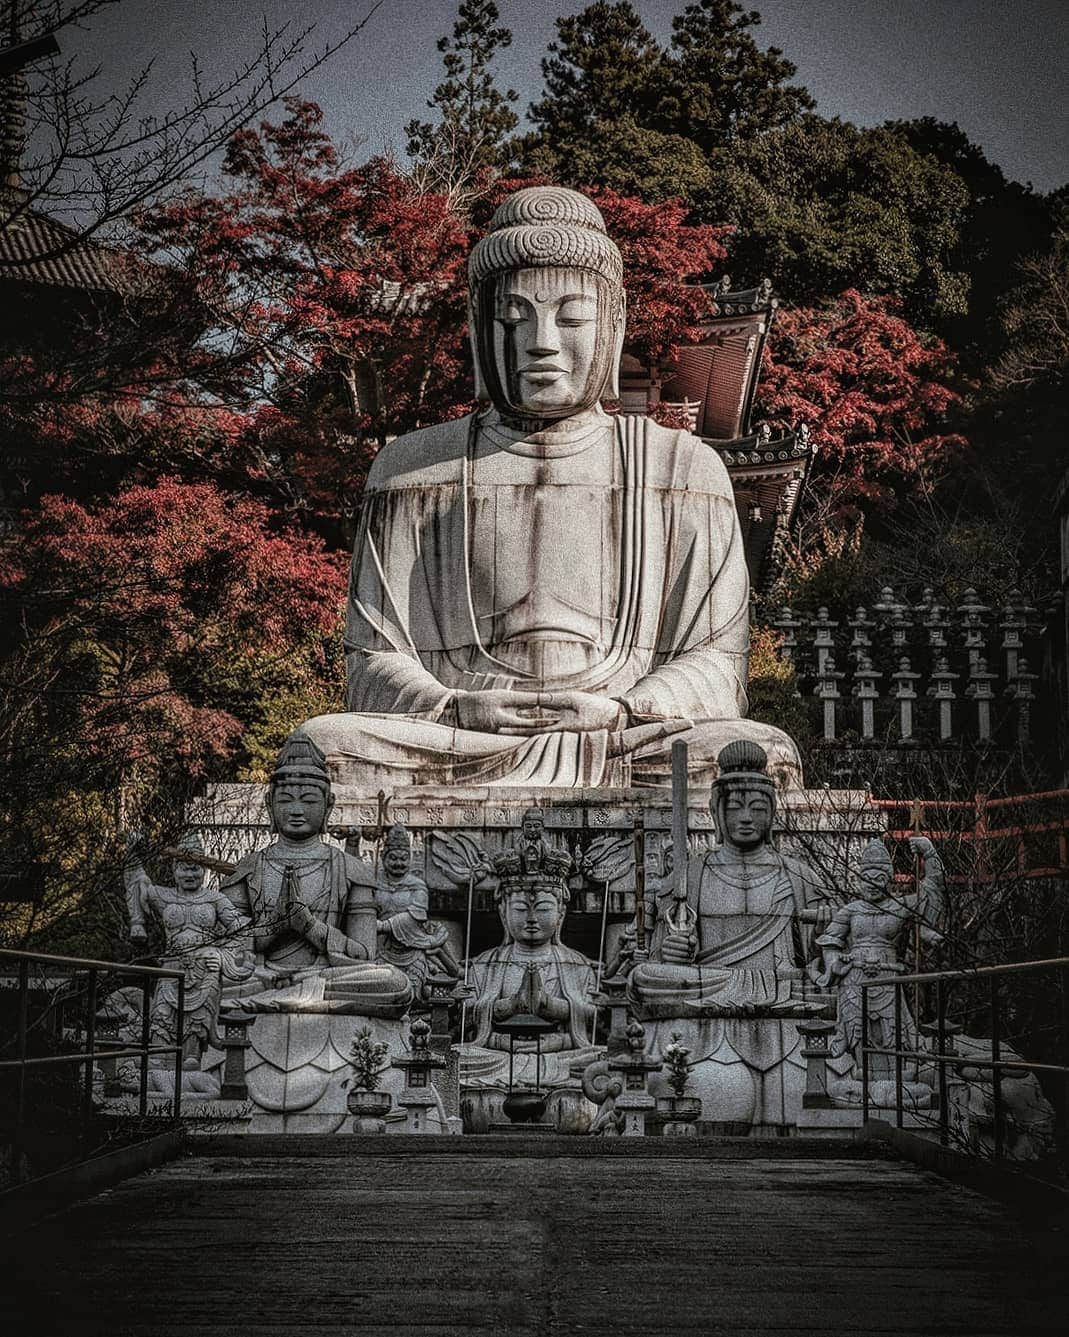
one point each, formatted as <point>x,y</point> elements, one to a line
<point>612,566</point>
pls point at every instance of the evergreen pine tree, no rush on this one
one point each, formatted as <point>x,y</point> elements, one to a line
<point>474,117</point>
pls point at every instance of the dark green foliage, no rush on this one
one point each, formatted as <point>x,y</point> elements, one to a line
<point>823,206</point>
<point>475,117</point>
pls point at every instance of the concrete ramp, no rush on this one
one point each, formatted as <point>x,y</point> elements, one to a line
<point>441,1237</point>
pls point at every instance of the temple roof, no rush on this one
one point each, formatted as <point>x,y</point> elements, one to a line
<point>721,368</point>
<point>38,250</point>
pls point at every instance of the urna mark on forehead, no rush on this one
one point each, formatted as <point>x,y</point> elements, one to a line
<point>572,293</point>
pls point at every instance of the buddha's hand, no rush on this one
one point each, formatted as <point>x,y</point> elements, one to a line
<point>522,714</point>
<point>679,949</point>
<point>503,712</point>
<point>584,712</point>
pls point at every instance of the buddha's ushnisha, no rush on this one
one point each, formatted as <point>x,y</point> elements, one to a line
<point>543,594</point>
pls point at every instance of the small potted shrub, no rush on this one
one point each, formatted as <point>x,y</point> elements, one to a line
<point>369,1059</point>
<point>679,1111</point>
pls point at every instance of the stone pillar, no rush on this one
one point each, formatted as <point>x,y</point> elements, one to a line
<point>787,625</point>
<point>866,691</point>
<point>634,1102</point>
<point>1023,693</point>
<point>862,626</point>
<point>1014,621</point>
<point>419,1095</point>
<point>824,639</point>
<point>443,993</point>
<point>973,615</point>
<point>981,691</point>
<point>937,626</point>
<point>827,690</point>
<point>942,690</point>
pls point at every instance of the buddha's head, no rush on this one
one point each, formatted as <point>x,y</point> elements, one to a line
<point>532,912</point>
<point>397,851</point>
<point>188,873</point>
<point>743,801</point>
<point>299,797</point>
<point>546,307</point>
<point>875,872</point>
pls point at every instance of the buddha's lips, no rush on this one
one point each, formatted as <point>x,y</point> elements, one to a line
<point>543,371</point>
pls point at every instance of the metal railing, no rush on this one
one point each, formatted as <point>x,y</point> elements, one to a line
<point>93,1052</point>
<point>947,1057</point>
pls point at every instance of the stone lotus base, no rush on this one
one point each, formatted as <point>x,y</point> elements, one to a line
<point>297,1069</point>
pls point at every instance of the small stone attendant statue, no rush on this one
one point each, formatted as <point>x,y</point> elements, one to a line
<point>864,940</point>
<point>542,594</point>
<point>311,906</point>
<point>408,939</point>
<point>204,936</point>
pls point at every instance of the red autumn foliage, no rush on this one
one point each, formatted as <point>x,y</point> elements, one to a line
<point>341,295</point>
<point>150,610</point>
<point>877,396</point>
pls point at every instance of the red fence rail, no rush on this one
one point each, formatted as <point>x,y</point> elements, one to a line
<point>1033,827</point>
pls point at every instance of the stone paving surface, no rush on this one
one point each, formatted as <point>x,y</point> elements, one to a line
<point>518,1240</point>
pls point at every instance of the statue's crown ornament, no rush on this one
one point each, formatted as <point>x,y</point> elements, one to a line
<point>300,759</point>
<point>743,765</point>
<point>397,838</point>
<point>875,858</point>
<point>546,226</point>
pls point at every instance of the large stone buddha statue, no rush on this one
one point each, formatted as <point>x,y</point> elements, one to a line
<point>542,593</point>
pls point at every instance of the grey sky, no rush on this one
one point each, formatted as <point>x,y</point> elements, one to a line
<point>997,67</point>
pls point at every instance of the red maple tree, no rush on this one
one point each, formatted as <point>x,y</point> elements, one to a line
<point>146,623</point>
<point>878,397</point>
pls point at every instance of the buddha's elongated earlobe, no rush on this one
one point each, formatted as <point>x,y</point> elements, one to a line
<point>482,391</point>
<point>612,388</point>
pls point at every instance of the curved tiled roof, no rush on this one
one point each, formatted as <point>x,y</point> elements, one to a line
<point>35,249</point>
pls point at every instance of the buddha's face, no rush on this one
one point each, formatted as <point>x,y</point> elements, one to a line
<point>188,877</point>
<point>531,918</point>
<point>747,818</point>
<point>552,342</point>
<point>300,809</point>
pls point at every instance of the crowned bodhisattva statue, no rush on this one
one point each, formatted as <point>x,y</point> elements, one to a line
<point>532,899</point>
<point>543,594</point>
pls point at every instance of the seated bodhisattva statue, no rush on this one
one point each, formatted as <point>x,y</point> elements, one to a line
<point>735,960</point>
<point>542,593</point>
<point>311,907</point>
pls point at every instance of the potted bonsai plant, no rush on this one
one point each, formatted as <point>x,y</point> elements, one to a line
<point>369,1106</point>
<point>679,1111</point>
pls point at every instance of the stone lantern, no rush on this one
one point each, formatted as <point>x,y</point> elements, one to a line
<point>419,1096</point>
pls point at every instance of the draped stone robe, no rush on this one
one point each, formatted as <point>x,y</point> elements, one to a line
<point>607,561</point>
